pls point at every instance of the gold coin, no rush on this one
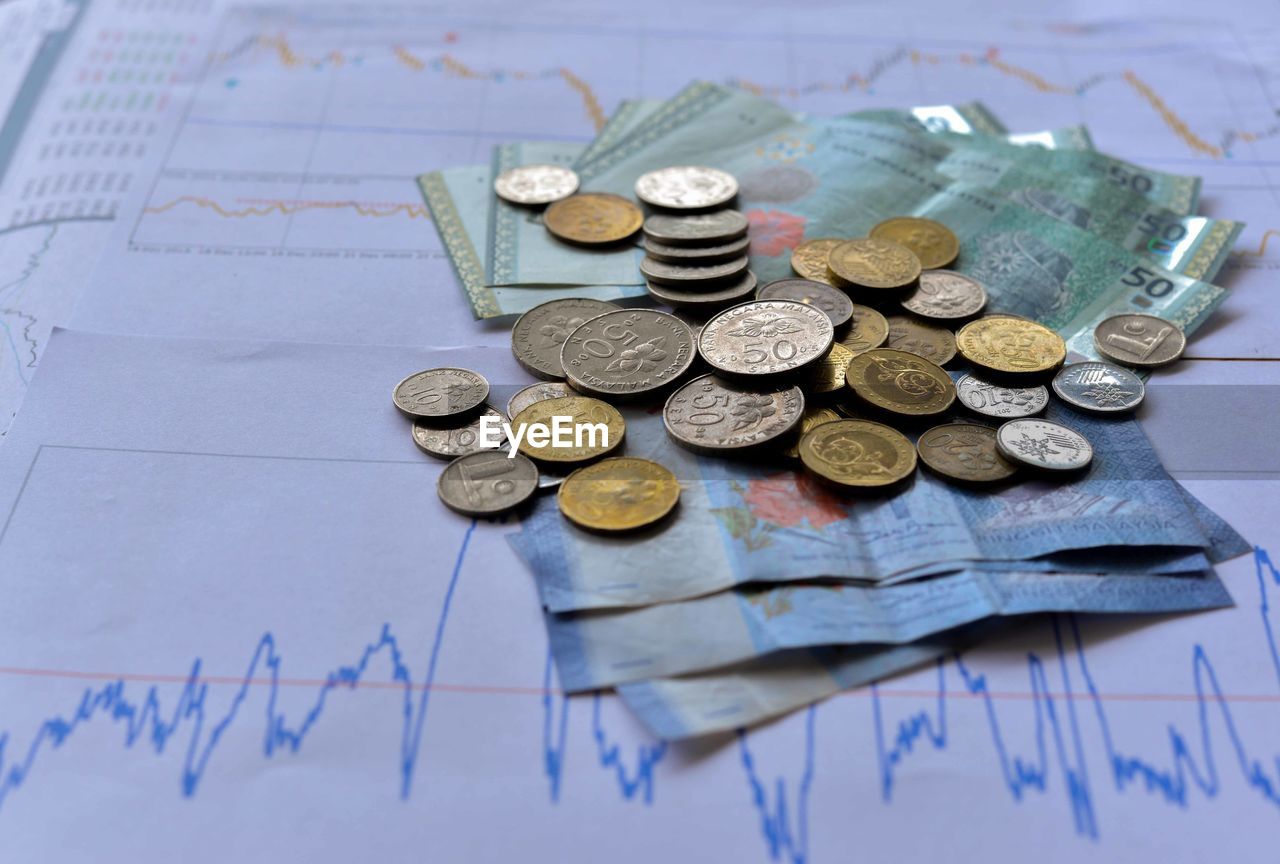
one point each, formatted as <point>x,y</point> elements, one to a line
<point>827,375</point>
<point>588,429</point>
<point>900,382</point>
<point>868,330</point>
<point>619,494</point>
<point>1001,343</point>
<point>811,417</point>
<point>857,454</point>
<point>916,337</point>
<point>879,264</point>
<point>809,259</point>
<point>593,218</point>
<point>965,452</point>
<point>932,242</point>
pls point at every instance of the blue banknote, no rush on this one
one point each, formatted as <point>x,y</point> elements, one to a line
<point>750,692</point>
<point>600,649</point>
<point>741,696</point>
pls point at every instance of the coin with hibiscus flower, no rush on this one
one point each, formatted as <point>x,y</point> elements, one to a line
<point>716,415</point>
<point>766,337</point>
<point>628,353</point>
<point>538,334</point>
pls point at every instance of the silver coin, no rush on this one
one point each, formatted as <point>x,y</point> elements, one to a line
<point>833,301</point>
<point>628,352</point>
<point>446,393</point>
<point>696,255</point>
<point>548,476</point>
<point>536,393</point>
<point>718,298</point>
<point>766,337</point>
<point>721,226</point>
<point>1101,387</point>
<point>1043,444</point>
<point>449,442</point>
<point>686,187</point>
<point>535,184</point>
<point>944,295</point>
<point>1139,340</point>
<point>689,276</point>
<point>538,334</point>
<point>711,414</point>
<point>487,483</point>
<point>993,400</point>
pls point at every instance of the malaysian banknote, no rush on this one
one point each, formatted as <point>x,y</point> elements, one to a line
<point>521,251</point>
<point>750,692</point>
<point>458,199</point>
<point>974,118</point>
<point>1194,246</point>
<point>600,649</point>
<point>744,522</point>
<point>630,115</point>
<point>725,700</point>
<point>1094,200</point>
<point>721,114</point>
<point>968,118</point>
<point>1103,559</point>
<point>842,179</point>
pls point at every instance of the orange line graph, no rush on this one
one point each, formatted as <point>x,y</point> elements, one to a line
<point>454,66</point>
<point>284,52</point>
<point>288,208</point>
<point>291,59</point>
<point>1262,244</point>
<point>1175,123</point>
<point>1023,74</point>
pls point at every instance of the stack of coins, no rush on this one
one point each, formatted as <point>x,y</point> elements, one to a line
<point>695,248</point>
<point>834,371</point>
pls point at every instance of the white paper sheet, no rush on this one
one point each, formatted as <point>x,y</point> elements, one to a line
<point>167,502</point>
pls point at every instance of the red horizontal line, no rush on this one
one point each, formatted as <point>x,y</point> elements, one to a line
<point>505,690</point>
<point>1261,698</point>
<point>145,678</point>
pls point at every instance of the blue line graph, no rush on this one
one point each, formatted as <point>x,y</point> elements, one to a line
<point>1057,756</point>
<point>1058,731</point>
<point>146,718</point>
<point>609,754</point>
<point>775,822</point>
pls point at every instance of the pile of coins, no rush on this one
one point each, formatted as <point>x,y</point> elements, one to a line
<point>829,370</point>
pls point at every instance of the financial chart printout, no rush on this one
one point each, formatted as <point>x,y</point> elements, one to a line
<point>238,624</point>
<point>85,90</point>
